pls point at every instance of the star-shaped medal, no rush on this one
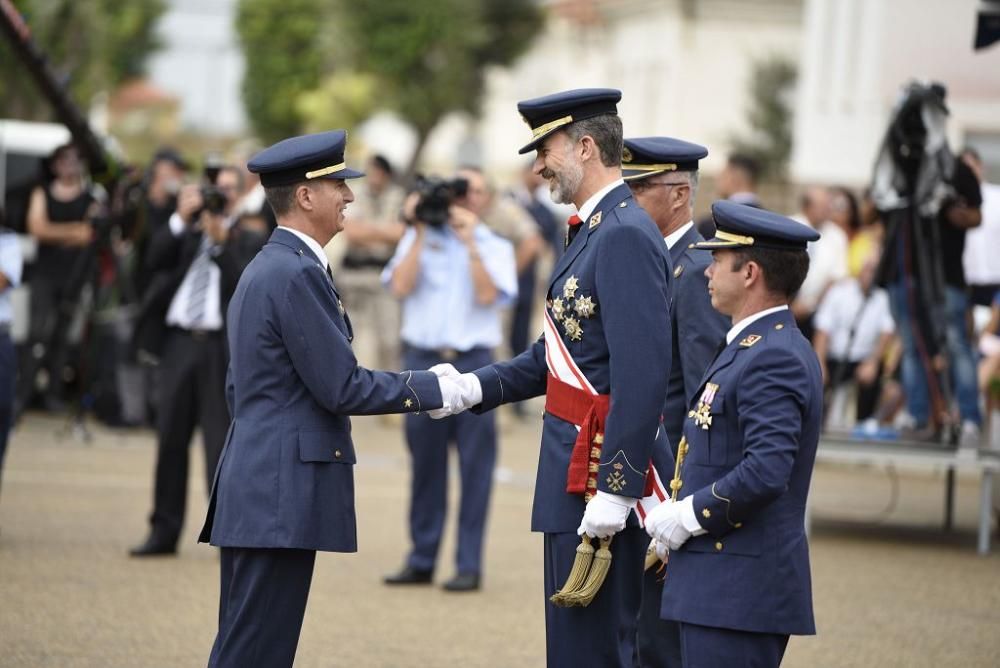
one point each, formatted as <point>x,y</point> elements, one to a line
<point>585,307</point>
<point>569,288</point>
<point>558,308</point>
<point>573,329</point>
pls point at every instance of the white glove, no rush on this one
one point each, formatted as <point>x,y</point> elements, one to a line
<point>673,523</point>
<point>444,370</point>
<point>661,550</point>
<point>605,515</point>
<point>458,393</point>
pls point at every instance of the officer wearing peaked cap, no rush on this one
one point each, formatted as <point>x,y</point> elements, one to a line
<point>284,485</point>
<point>604,385</point>
<point>662,173</point>
<point>737,577</point>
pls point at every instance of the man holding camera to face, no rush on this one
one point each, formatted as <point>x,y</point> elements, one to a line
<point>194,263</point>
<point>452,275</point>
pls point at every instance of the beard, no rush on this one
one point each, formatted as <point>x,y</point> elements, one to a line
<point>564,184</point>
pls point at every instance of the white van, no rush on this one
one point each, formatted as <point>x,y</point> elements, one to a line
<point>23,147</point>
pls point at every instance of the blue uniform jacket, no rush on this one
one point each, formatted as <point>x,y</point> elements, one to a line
<point>286,474</point>
<point>697,331</point>
<point>613,283</point>
<point>749,473</point>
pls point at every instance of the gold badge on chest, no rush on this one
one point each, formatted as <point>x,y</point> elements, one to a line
<point>573,329</point>
<point>702,415</point>
<point>558,309</point>
<point>570,287</point>
<point>585,307</point>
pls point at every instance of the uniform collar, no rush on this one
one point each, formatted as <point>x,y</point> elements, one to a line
<point>311,244</point>
<point>678,234</point>
<point>595,199</point>
<point>749,320</point>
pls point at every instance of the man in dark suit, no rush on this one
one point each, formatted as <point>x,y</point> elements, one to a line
<point>284,487</point>
<point>738,578</point>
<point>662,173</point>
<point>604,385</point>
<point>194,263</point>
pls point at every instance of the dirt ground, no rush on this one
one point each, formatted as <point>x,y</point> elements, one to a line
<point>890,588</point>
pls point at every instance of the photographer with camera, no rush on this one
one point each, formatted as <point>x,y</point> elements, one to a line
<point>194,264</point>
<point>453,275</point>
<point>59,216</point>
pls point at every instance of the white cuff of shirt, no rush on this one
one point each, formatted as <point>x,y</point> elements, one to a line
<point>176,224</point>
<point>619,500</point>
<point>688,517</point>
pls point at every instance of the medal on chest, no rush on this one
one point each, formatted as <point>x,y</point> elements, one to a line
<point>702,414</point>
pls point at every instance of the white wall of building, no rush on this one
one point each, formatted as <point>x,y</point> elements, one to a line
<point>856,56</point>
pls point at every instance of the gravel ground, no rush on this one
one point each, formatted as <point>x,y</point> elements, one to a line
<point>890,588</point>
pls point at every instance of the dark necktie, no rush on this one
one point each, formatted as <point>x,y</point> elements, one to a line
<point>574,225</point>
<point>340,305</point>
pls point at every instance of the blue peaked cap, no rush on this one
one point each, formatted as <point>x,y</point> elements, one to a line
<point>646,156</point>
<point>742,226</point>
<point>303,158</point>
<point>545,115</point>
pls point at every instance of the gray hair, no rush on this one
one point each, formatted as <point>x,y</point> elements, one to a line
<point>606,130</point>
<point>281,198</point>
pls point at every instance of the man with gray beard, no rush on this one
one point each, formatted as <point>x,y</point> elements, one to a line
<point>603,365</point>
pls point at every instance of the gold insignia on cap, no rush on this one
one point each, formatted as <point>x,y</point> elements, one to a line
<point>678,270</point>
<point>558,308</point>
<point>585,307</point>
<point>326,170</point>
<point>595,220</point>
<point>569,288</point>
<point>551,125</point>
<point>750,340</point>
<point>573,329</point>
<point>626,155</point>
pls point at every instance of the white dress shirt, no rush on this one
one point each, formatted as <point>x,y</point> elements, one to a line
<point>177,314</point>
<point>678,234</point>
<point>595,199</point>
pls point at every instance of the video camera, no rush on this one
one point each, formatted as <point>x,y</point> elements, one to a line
<point>436,196</point>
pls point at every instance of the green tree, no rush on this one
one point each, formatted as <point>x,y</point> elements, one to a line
<point>769,115</point>
<point>283,44</point>
<point>430,58</point>
<point>94,45</point>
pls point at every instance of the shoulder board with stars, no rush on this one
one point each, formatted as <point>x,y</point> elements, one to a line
<point>750,340</point>
<point>595,220</point>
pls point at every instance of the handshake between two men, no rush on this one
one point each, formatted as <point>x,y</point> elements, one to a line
<point>670,524</point>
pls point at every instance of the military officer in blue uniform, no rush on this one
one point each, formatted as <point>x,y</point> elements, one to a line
<point>284,487</point>
<point>737,576</point>
<point>662,173</point>
<point>601,364</point>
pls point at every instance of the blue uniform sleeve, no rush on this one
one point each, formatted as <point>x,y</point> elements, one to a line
<point>322,357</point>
<point>518,379</point>
<point>700,328</point>
<point>633,289</point>
<point>772,399</point>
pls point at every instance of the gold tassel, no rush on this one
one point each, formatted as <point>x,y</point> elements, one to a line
<point>577,575</point>
<point>598,572</point>
<point>651,556</point>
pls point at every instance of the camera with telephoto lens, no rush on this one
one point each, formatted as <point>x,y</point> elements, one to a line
<point>436,196</point>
